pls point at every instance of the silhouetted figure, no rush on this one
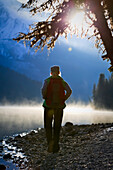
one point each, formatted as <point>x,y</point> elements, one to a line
<point>55,91</point>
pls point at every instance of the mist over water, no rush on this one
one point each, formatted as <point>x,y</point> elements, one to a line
<point>17,119</point>
<point>86,114</point>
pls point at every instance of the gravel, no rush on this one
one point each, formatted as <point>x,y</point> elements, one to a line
<point>81,147</point>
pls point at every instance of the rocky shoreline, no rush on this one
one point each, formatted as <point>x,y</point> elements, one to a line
<point>81,147</point>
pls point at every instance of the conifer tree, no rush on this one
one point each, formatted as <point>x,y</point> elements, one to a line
<point>98,16</point>
<point>103,93</point>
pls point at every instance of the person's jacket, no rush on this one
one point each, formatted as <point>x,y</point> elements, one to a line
<point>55,91</point>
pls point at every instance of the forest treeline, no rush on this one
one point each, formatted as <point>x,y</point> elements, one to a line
<point>103,92</point>
<point>17,88</point>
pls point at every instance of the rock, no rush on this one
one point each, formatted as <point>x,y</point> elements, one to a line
<point>18,138</point>
<point>2,167</point>
<point>37,168</point>
<point>10,139</point>
<point>7,156</point>
<point>68,127</point>
<point>10,149</point>
<point>68,124</point>
<point>72,133</point>
<point>32,133</point>
<point>1,147</point>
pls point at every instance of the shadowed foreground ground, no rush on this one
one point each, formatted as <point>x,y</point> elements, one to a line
<point>81,147</point>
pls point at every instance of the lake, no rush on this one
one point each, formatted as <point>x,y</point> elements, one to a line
<point>22,118</point>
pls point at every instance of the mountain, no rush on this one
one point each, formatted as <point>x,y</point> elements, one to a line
<point>15,87</point>
<point>12,54</point>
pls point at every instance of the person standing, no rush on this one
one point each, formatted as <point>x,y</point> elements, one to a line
<point>55,92</point>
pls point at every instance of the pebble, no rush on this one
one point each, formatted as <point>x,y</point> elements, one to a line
<point>1,147</point>
<point>2,167</point>
<point>7,156</point>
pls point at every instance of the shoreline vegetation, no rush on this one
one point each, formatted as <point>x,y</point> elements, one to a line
<point>81,147</point>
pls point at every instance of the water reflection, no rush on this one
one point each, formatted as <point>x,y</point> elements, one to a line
<point>18,119</point>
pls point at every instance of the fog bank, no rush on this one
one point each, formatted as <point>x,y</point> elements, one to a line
<point>16,119</point>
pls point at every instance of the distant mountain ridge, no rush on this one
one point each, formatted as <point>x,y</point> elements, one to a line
<point>15,87</point>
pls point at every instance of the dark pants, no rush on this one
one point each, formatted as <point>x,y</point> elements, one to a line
<point>49,116</point>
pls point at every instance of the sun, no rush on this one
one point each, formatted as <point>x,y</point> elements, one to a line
<point>77,22</point>
<point>77,18</point>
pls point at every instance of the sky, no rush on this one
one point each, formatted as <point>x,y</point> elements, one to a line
<point>24,15</point>
<point>79,60</point>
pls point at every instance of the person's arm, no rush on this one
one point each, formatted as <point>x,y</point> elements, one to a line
<point>44,89</point>
<point>68,91</point>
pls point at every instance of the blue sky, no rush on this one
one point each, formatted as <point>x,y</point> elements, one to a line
<point>79,60</point>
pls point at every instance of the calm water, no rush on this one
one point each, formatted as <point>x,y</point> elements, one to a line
<point>18,119</point>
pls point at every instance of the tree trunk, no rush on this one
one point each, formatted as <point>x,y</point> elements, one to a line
<point>102,26</point>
